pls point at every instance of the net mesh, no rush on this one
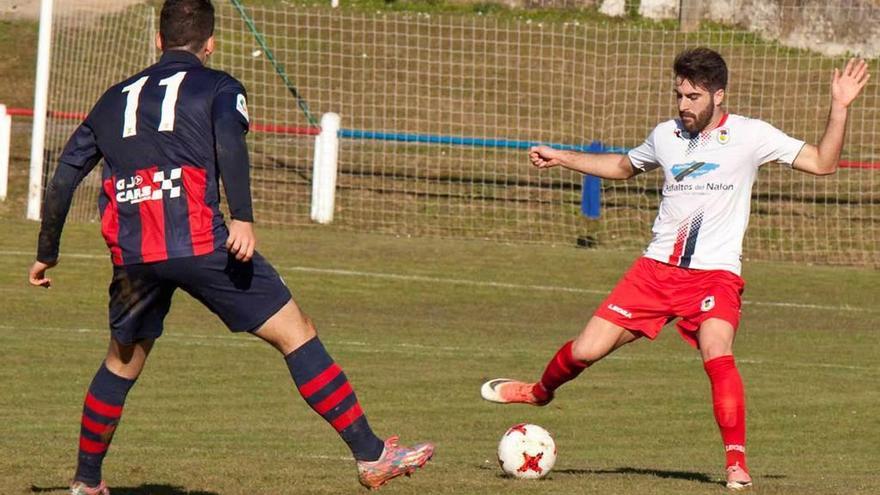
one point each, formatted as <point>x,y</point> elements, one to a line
<point>493,78</point>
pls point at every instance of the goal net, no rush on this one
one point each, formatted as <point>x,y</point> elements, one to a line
<point>436,110</point>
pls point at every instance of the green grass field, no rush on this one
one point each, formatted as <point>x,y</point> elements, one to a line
<point>418,325</point>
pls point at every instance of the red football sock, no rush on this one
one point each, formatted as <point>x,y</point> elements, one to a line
<point>562,368</point>
<point>728,401</point>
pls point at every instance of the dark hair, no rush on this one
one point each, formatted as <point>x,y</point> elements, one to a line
<point>186,24</point>
<point>703,67</point>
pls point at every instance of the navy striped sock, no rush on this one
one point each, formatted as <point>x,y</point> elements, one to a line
<point>101,413</point>
<point>324,386</point>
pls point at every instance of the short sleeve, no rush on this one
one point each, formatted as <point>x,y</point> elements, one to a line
<point>230,103</point>
<point>644,156</point>
<point>773,145</point>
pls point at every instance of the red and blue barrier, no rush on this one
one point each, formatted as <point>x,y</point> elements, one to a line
<point>591,190</point>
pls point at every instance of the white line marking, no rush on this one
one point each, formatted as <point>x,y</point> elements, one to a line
<point>481,283</point>
<point>439,280</point>
<point>410,349</point>
<point>66,255</point>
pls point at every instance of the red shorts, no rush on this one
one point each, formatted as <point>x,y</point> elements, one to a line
<point>652,294</point>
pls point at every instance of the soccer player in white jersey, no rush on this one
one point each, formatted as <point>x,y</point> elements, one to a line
<point>691,268</point>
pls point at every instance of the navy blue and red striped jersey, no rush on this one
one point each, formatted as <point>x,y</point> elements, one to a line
<point>159,134</point>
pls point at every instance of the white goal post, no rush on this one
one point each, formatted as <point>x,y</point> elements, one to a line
<point>41,95</point>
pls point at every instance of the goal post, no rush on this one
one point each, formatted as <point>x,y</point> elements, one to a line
<point>41,101</point>
<point>325,169</point>
<point>5,143</point>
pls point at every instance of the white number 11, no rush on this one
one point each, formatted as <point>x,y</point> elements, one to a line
<point>166,123</point>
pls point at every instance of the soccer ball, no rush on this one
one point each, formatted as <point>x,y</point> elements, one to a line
<point>527,451</point>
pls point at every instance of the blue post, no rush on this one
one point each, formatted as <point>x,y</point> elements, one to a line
<point>591,193</point>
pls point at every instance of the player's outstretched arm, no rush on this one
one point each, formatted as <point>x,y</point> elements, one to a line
<point>846,85</point>
<point>606,166</point>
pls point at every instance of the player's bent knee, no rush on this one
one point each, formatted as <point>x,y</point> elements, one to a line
<point>599,339</point>
<point>715,350</point>
<point>310,325</point>
<point>288,329</point>
<point>587,352</point>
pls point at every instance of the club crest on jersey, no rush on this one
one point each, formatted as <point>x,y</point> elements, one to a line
<point>133,190</point>
<point>241,106</point>
<point>723,136</point>
<point>707,304</point>
<point>692,169</point>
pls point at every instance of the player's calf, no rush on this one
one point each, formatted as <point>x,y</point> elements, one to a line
<point>324,386</point>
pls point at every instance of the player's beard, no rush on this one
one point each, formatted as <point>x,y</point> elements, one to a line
<point>697,122</point>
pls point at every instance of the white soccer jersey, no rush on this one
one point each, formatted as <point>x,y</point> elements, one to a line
<point>707,194</point>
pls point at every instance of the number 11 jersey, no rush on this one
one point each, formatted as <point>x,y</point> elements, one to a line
<point>156,132</point>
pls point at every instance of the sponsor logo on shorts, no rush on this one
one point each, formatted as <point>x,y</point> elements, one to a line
<point>619,310</point>
<point>708,303</point>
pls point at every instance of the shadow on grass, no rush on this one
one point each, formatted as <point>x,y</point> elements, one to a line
<point>145,489</point>
<point>659,473</point>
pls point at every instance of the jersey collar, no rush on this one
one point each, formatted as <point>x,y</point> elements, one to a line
<point>681,132</point>
<point>179,56</point>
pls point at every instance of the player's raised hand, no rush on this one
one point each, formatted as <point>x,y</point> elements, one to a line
<point>37,274</point>
<point>241,241</point>
<point>544,156</point>
<point>846,85</point>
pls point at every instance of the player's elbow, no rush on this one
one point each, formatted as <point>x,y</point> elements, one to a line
<point>625,170</point>
<point>818,168</point>
<point>826,169</point>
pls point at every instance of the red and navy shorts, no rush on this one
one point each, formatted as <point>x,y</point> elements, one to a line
<point>652,294</point>
<point>243,295</point>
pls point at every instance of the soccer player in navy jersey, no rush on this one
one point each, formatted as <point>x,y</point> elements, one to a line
<point>167,135</point>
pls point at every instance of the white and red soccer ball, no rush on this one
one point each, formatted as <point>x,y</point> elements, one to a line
<point>527,451</point>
